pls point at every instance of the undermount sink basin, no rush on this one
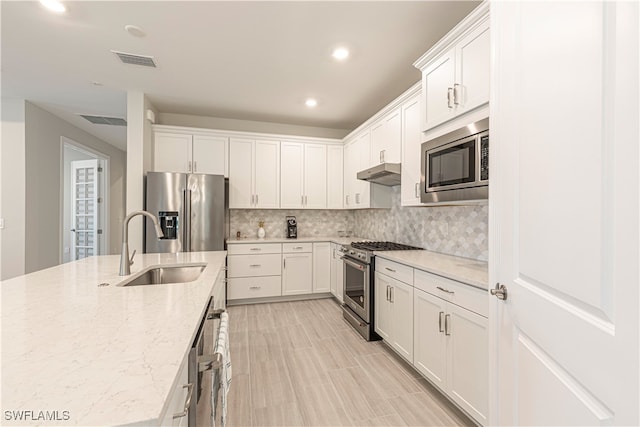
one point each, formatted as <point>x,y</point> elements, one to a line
<point>166,275</point>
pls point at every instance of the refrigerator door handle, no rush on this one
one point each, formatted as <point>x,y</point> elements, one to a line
<point>186,229</point>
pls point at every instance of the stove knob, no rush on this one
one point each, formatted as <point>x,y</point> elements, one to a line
<point>362,256</point>
<point>352,252</point>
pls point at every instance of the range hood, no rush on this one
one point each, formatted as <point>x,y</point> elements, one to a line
<point>385,173</point>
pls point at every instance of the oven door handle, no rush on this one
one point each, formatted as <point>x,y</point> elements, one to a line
<point>353,264</point>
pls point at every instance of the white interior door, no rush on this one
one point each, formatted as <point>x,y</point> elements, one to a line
<point>85,198</point>
<point>564,213</point>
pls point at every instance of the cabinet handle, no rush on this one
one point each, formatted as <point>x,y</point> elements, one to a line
<point>255,287</point>
<point>255,265</point>
<point>445,290</point>
<point>195,166</point>
<point>189,166</point>
<point>347,199</point>
<point>381,156</point>
<point>440,321</point>
<point>255,249</point>
<point>187,402</point>
<point>446,324</point>
<point>256,200</point>
<point>390,269</point>
<point>417,189</point>
<point>252,196</point>
<point>305,201</point>
<point>284,263</point>
<point>449,94</point>
<point>302,200</point>
<point>456,87</point>
<point>387,292</point>
<point>298,247</point>
<point>357,198</point>
<point>391,294</point>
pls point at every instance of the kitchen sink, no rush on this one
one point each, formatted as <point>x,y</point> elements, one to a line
<point>166,275</point>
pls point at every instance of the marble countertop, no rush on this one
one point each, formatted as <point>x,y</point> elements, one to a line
<point>334,239</point>
<point>107,355</point>
<point>465,270</point>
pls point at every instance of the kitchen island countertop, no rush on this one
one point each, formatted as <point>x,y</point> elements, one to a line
<point>98,355</point>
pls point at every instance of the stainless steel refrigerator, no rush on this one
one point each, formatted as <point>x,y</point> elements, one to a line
<point>192,209</point>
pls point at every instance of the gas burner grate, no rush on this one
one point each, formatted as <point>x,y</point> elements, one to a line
<point>382,246</point>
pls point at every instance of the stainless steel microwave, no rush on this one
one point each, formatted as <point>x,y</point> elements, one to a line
<point>455,166</point>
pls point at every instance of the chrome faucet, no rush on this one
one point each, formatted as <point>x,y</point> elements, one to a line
<point>125,262</point>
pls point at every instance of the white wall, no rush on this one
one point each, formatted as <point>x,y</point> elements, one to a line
<point>139,161</point>
<point>43,152</point>
<point>12,188</point>
<point>248,126</point>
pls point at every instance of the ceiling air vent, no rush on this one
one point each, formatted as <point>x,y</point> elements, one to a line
<point>129,58</point>
<point>101,120</point>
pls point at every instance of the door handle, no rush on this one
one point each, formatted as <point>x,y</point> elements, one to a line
<point>440,321</point>
<point>446,324</point>
<point>449,95</point>
<point>387,292</point>
<point>456,97</point>
<point>416,190</point>
<point>195,166</point>
<point>391,294</point>
<point>187,402</point>
<point>500,292</point>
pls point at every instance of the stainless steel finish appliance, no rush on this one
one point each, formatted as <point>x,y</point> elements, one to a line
<point>359,269</point>
<point>385,174</point>
<point>202,360</point>
<point>192,209</point>
<point>455,166</point>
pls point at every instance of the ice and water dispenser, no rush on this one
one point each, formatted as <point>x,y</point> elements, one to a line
<point>169,224</point>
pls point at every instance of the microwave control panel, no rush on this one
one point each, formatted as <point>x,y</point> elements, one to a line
<point>484,158</point>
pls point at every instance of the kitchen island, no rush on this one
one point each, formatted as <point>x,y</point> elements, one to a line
<point>79,350</point>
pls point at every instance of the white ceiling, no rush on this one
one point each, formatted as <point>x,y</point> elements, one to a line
<point>233,59</point>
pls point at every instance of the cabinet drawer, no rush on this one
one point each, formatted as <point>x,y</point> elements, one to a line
<point>255,248</point>
<point>466,296</point>
<point>399,272</point>
<point>253,287</point>
<point>254,265</point>
<point>288,248</point>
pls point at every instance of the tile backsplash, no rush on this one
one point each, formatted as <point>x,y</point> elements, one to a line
<point>311,223</point>
<point>453,230</point>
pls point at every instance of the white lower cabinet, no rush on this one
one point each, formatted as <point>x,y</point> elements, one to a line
<point>394,314</point>
<point>254,271</point>
<point>177,399</point>
<point>321,267</point>
<point>337,272</point>
<point>297,273</point>
<point>451,350</point>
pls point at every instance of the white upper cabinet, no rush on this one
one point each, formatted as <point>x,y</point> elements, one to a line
<point>254,174</point>
<point>303,176</point>
<point>189,152</point>
<point>411,141</point>
<point>455,72</point>
<point>386,139</point>
<point>335,173</point>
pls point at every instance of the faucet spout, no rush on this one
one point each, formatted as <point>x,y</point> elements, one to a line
<point>125,262</point>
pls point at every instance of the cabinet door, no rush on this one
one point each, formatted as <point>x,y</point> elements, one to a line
<point>385,139</point>
<point>468,361</point>
<point>411,142</point>
<point>315,176</point>
<point>437,83</point>
<point>297,274</point>
<point>429,340</point>
<point>339,278</point>
<point>402,318</point>
<point>241,173</point>
<point>321,267</point>
<point>171,152</point>
<point>473,56</point>
<point>335,172</point>
<point>382,317</point>
<point>291,175</point>
<point>267,174</point>
<point>362,153</point>
<point>349,174</point>
<point>209,155</point>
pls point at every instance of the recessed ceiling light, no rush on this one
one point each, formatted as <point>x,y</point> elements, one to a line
<point>310,102</point>
<point>134,30</point>
<point>53,5</point>
<point>340,53</point>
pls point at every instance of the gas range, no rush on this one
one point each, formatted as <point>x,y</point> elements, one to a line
<point>363,251</point>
